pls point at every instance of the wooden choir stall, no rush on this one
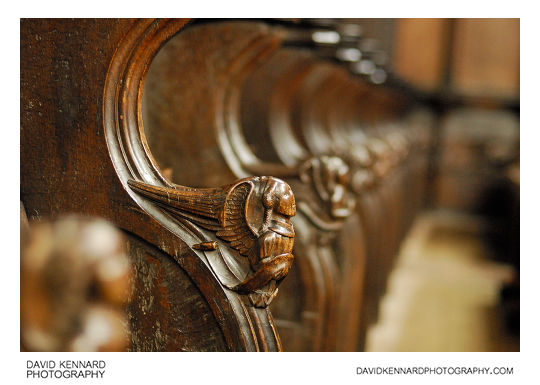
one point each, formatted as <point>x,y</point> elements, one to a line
<point>210,185</point>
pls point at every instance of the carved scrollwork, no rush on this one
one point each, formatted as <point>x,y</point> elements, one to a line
<point>329,177</point>
<point>252,216</point>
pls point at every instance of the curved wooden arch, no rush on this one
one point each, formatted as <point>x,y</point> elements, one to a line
<point>133,161</point>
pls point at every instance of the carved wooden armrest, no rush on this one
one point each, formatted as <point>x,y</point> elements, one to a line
<point>252,216</point>
<point>206,266</point>
<point>235,242</point>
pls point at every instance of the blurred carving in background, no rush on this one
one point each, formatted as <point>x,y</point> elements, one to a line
<point>75,279</point>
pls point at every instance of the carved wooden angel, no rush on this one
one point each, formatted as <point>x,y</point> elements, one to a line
<point>251,215</point>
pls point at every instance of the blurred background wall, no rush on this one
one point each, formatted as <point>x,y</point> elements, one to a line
<point>467,71</point>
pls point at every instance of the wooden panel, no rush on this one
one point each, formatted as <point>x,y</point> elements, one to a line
<point>168,311</point>
<point>420,51</point>
<point>485,58</point>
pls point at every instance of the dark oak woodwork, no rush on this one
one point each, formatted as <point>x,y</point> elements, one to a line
<point>95,95</point>
<point>309,107</point>
<point>323,200</point>
<point>119,117</point>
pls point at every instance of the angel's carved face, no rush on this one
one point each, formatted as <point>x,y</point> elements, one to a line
<point>279,197</point>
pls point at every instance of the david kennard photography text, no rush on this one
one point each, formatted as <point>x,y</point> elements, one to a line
<point>65,369</point>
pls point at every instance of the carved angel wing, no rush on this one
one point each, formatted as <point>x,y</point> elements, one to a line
<point>234,222</point>
<point>221,209</point>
